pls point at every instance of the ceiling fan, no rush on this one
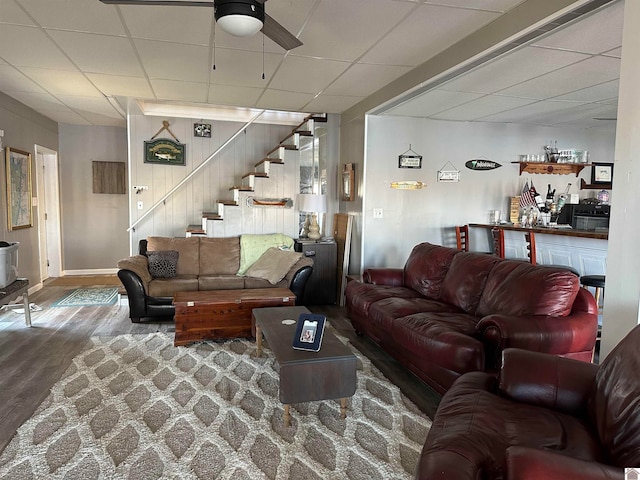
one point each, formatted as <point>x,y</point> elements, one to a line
<point>241,18</point>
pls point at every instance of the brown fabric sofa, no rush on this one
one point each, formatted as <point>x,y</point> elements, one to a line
<point>203,264</point>
<point>449,312</point>
<point>544,417</point>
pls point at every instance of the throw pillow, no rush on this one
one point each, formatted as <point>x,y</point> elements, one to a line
<point>162,264</point>
<point>273,265</point>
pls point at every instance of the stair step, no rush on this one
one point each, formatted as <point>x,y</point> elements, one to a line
<point>231,203</point>
<point>242,188</point>
<point>264,165</point>
<point>250,178</point>
<point>195,230</point>
<point>291,141</point>
<point>256,174</point>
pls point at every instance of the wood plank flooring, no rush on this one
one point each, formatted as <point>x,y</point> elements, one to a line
<point>33,359</point>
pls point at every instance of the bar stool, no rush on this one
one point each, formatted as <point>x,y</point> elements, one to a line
<point>595,281</point>
<point>462,238</point>
<point>530,238</point>
<point>498,241</point>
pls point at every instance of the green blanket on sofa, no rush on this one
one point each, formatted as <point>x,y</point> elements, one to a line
<point>252,247</point>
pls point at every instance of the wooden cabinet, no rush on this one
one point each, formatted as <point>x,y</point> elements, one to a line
<point>321,288</point>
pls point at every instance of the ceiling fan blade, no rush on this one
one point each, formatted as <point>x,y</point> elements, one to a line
<point>279,34</point>
<point>177,3</point>
<point>605,118</point>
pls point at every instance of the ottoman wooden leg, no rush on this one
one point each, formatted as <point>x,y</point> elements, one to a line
<point>287,416</point>
<point>343,408</point>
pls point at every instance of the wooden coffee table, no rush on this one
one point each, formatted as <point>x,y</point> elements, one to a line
<point>305,376</point>
<point>220,314</point>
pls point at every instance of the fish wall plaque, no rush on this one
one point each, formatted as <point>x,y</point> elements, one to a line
<point>482,164</point>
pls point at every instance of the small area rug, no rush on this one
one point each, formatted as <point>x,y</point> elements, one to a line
<point>87,297</point>
<point>136,407</point>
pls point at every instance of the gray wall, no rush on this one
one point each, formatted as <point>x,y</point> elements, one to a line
<point>23,129</point>
<point>94,226</point>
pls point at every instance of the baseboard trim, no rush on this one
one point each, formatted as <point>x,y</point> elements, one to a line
<point>95,271</point>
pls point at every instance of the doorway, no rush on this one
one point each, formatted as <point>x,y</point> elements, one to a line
<point>49,230</point>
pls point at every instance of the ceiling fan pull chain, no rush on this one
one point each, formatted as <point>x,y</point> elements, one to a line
<point>263,56</point>
<point>214,45</point>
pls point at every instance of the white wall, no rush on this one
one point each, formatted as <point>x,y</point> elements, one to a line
<point>411,217</point>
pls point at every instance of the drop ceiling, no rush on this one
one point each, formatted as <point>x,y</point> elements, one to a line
<point>79,61</point>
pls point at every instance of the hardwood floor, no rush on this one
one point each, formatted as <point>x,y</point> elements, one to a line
<point>33,359</point>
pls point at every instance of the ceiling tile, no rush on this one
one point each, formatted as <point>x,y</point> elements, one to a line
<point>39,101</point>
<point>283,100</point>
<point>601,92</point>
<point>82,104</point>
<point>331,103</point>
<point>294,74</point>
<point>535,113</point>
<point>77,15</point>
<point>339,37</point>
<point>362,80</point>
<point>67,116</point>
<point>168,23</point>
<point>10,12</point>
<point>243,68</point>
<point>180,91</point>
<point>426,32</point>
<point>584,112</point>
<point>494,5</point>
<point>12,80</point>
<point>232,95</point>
<point>99,53</point>
<point>30,47</point>
<point>432,102</point>
<point>104,120</point>
<point>580,36</point>
<point>513,68</point>
<point>134,87</point>
<point>580,75</point>
<point>60,82</point>
<point>173,61</point>
<point>482,107</point>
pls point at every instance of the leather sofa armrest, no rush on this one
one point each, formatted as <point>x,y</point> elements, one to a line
<point>384,276</point>
<point>540,333</point>
<point>524,463</point>
<point>546,380</point>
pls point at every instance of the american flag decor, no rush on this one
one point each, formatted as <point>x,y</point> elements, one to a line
<point>527,198</point>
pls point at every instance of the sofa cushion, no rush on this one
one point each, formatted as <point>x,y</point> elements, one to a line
<point>385,312</point>
<point>253,246</point>
<point>163,264</point>
<point>220,282</point>
<point>426,268</point>
<point>219,256</point>
<point>615,405</point>
<point>254,282</point>
<point>166,287</point>
<point>464,282</point>
<point>521,289</point>
<point>273,264</point>
<point>440,339</point>
<point>188,252</point>
<point>360,296</point>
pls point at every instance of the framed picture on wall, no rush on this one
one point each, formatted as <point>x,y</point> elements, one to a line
<point>602,173</point>
<point>18,173</point>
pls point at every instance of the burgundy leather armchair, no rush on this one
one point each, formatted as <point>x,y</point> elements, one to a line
<point>544,417</point>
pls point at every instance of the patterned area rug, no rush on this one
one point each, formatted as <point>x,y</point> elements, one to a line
<point>87,297</point>
<point>136,407</point>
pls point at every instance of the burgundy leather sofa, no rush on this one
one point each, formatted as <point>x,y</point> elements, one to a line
<point>544,417</point>
<point>449,312</point>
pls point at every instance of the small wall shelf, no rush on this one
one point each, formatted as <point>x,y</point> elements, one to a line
<point>594,186</point>
<point>551,168</point>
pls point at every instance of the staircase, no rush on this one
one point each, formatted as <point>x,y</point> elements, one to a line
<point>226,208</point>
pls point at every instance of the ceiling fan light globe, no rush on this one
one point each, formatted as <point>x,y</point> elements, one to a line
<point>240,25</point>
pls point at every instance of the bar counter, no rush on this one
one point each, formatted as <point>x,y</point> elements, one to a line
<point>568,232</point>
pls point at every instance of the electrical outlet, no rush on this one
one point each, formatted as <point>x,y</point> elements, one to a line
<point>140,205</point>
<point>377,213</point>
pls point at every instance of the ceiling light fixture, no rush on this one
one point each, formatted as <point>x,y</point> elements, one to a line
<point>241,18</point>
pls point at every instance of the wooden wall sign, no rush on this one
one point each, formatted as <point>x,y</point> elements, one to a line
<point>482,164</point>
<point>164,151</point>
